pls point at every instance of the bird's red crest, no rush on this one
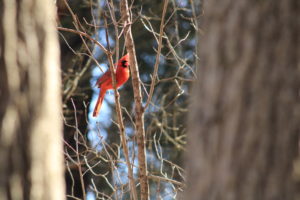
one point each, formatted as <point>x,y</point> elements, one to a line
<point>126,57</point>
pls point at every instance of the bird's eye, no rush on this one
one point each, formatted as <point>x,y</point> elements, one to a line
<point>124,63</point>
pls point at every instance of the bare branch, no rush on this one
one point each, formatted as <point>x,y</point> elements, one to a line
<point>139,110</point>
<point>158,52</point>
<point>120,121</point>
<point>85,35</point>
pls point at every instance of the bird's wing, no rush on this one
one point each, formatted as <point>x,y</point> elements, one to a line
<point>104,78</point>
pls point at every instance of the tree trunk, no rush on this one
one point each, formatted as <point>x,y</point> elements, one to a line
<point>244,128</point>
<point>30,109</point>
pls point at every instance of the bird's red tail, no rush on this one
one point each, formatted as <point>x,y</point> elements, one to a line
<point>99,102</point>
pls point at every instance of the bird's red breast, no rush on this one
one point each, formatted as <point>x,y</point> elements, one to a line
<point>122,74</point>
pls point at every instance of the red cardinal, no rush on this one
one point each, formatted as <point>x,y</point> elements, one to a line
<point>105,81</point>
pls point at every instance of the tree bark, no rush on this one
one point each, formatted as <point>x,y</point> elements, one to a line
<point>30,109</point>
<point>139,109</point>
<point>244,126</point>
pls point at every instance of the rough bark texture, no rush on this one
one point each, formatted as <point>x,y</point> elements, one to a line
<point>30,109</point>
<point>139,110</point>
<point>244,127</point>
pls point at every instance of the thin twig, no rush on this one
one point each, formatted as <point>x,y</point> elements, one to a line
<point>85,35</point>
<point>77,154</point>
<point>158,53</point>
<point>166,180</point>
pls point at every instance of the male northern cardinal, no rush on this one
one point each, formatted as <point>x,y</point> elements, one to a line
<point>105,81</point>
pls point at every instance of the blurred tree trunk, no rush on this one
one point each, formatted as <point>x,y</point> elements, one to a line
<point>244,128</point>
<point>30,109</point>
